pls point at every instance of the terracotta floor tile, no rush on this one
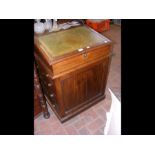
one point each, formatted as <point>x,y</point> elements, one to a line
<point>79,124</point>
<point>87,119</point>
<point>44,131</point>
<point>98,105</point>
<point>60,131</point>
<point>71,121</point>
<point>55,126</point>
<point>98,132</point>
<point>101,113</point>
<point>71,130</point>
<point>84,131</point>
<point>91,113</point>
<point>36,125</point>
<point>95,125</point>
<point>53,119</point>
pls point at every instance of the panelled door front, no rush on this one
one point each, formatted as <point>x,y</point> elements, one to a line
<point>83,86</point>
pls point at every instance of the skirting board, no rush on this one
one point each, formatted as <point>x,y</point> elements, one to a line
<point>113,124</point>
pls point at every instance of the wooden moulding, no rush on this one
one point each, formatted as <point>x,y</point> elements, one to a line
<point>80,109</point>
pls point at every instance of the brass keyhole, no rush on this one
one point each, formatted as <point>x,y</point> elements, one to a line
<point>85,55</point>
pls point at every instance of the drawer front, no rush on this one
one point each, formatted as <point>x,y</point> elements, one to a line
<point>51,97</point>
<point>45,78</point>
<point>84,58</point>
<point>47,83</point>
<point>48,91</point>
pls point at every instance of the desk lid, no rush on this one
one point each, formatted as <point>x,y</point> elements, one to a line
<point>67,41</point>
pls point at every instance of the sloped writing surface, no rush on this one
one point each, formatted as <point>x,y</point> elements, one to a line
<point>62,42</point>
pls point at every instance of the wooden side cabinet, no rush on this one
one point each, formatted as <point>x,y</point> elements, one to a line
<point>73,68</point>
<point>83,87</point>
<point>39,100</point>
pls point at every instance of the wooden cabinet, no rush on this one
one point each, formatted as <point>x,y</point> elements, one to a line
<point>73,68</point>
<point>83,86</point>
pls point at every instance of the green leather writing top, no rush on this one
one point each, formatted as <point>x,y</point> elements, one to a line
<point>62,42</point>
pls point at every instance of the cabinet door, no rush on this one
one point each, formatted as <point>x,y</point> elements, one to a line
<point>81,87</point>
<point>68,92</point>
<point>105,72</point>
<point>89,84</point>
<point>94,81</point>
<point>84,85</point>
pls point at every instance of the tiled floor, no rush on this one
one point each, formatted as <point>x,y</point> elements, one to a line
<point>91,121</point>
<point>114,79</point>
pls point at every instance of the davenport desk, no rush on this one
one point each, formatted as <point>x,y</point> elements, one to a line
<point>73,67</point>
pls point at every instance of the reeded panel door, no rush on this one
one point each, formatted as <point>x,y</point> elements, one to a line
<point>68,92</point>
<point>74,90</point>
<point>94,81</point>
<point>83,86</point>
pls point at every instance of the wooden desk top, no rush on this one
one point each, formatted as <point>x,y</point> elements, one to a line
<point>67,41</point>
